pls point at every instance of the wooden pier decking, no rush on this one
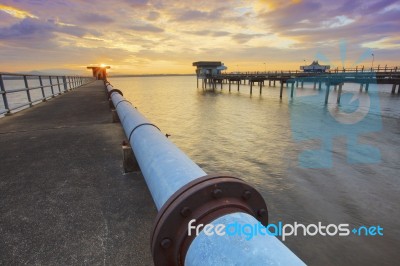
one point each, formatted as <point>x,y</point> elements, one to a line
<point>64,197</point>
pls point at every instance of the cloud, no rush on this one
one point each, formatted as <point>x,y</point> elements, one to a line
<point>218,33</point>
<point>245,37</point>
<point>184,15</point>
<point>146,28</point>
<point>93,18</point>
<point>38,34</point>
<point>153,15</point>
<point>137,3</point>
<point>15,12</point>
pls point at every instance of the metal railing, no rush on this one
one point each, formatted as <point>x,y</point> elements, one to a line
<point>357,69</point>
<point>37,88</point>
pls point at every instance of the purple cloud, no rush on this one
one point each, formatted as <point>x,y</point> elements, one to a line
<point>93,18</point>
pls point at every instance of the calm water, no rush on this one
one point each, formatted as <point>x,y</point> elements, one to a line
<point>251,137</point>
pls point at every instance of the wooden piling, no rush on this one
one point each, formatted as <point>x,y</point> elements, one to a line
<point>339,93</point>
<point>327,93</point>
<point>291,89</point>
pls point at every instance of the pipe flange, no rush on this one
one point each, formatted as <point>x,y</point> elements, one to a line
<point>114,90</point>
<point>204,199</point>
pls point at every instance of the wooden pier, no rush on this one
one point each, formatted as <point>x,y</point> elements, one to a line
<point>336,78</point>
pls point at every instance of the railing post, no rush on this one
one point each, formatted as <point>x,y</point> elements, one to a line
<point>28,94</point>
<point>69,83</point>
<point>58,83</point>
<point>65,83</point>
<point>51,86</point>
<point>42,88</point>
<point>4,95</point>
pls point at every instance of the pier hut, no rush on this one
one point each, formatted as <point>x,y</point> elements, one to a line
<point>99,72</point>
<point>315,67</point>
<point>207,69</point>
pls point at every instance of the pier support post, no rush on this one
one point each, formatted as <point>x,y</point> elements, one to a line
<point>315,85</point>
<point>238,85</point>
<point>366,87</point>
<point>302,84</point>
<point>115,117</point>
<point>339,93</point>
<point>251,87</point>
<point>394,88</point>
<point>327,93</point>
<point>261,83</point>
<point>274,83</point>
<point>291,89</point>
<point>130,163</point>
<point>229,85</point>
<point>320,85</point>
<point>361,87</point>
<point>269,83</point>
<point>280,94</point>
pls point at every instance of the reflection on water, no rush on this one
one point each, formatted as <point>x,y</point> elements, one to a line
<point>251,137</point>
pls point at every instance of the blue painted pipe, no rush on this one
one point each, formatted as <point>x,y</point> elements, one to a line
<point>166,169</point>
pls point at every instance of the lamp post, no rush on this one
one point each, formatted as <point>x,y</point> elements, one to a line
<point>373,58</point>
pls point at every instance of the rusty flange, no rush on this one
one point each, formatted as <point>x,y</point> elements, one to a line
<point>204,199</point>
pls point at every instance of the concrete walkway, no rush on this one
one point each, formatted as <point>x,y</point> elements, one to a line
<point>63,197</point>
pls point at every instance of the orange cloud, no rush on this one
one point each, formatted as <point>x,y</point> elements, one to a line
<point>15,12</point>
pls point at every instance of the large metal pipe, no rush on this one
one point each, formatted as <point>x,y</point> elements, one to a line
<point>169,174</point>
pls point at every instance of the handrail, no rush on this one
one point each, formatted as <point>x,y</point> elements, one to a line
<point>58,84</point>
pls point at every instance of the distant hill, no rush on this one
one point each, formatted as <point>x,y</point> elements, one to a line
<point>59,72</point>
<point>146,75</point>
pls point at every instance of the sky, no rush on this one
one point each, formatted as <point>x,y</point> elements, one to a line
<point>165,37</point>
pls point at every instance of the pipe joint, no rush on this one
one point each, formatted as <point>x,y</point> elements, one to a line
<point>114,90</point>
<point>204,200</point>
